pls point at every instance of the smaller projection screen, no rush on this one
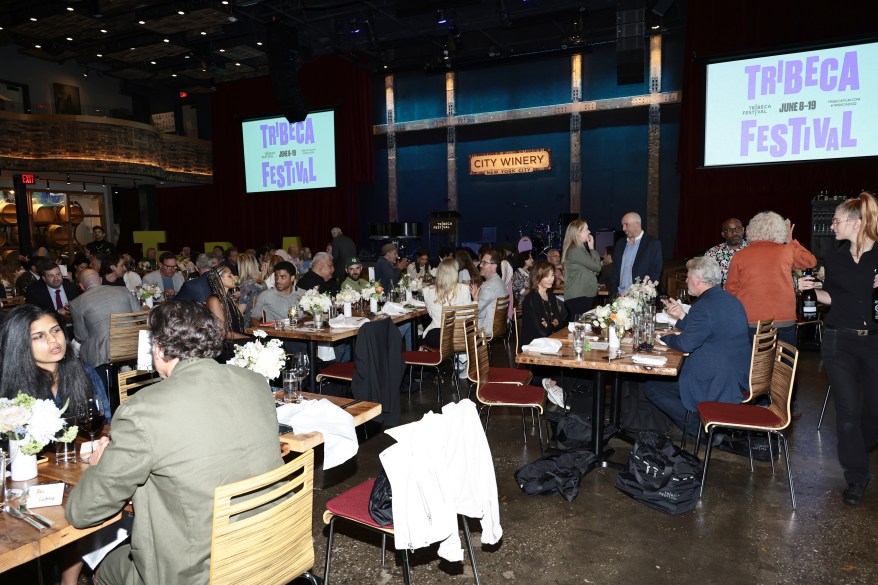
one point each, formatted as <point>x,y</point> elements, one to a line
<point>810,105</point>
<point>289,156</point>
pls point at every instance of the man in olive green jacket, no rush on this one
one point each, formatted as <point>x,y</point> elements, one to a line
<point>173,443</point>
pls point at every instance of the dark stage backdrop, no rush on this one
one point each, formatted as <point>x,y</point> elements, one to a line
<point>224,212</point>
<point>710,195</point>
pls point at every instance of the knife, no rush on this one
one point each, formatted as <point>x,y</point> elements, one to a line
<point>39,518</point>
<point>16,514</point>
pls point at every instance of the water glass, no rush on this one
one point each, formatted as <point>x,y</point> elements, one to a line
<point>291,385</point>
<point>578,340</point>
<point>65,452</point>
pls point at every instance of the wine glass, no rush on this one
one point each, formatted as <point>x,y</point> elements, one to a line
<point>301,367</point>
<point>90,419</point>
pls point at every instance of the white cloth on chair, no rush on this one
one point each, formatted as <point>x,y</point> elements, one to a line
<point>441,466</point>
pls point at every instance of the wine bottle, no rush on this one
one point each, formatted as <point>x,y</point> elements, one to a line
<point>809,300</point>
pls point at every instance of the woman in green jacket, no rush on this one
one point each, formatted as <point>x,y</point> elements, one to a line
<point>581,267</point>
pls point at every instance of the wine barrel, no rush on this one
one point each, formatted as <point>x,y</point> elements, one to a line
<point>3,237</point>
<point>13,236</point>
<point>76,213</point>
<point>44,214</point>
<point>7,213</point>
<point>57,236</point>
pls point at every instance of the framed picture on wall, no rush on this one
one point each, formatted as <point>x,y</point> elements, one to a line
<point>66,99</point>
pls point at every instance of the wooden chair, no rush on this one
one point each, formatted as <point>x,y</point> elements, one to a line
<point>461,314</point>
<point>271,546</point>
<point>341,372</point>
<point>490,394</point>
<point>132,380</point>
<point>434,358</point>
<point>124,336</point>
<point>771,419</point>
<point>483,370</point>
<point>500,326</point>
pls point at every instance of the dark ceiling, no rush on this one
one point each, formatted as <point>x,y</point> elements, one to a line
<point>192,44</point>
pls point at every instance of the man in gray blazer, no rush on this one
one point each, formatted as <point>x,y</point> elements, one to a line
<point>91,315</point>
<point>490,290</point>
<point>204,425</point>
<point>167,278</point>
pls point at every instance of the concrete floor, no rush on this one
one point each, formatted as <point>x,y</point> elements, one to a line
<point>743,530</point>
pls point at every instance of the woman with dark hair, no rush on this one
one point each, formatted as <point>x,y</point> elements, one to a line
<point>420,268</point>
<point>523,261</point>
<point>112,270</point>
<point>226,309</point>
<point>467,271</point>
<point>850,337</point>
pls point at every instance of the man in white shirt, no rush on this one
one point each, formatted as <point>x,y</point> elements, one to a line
<point>490,290</point>
<point>637,255</point>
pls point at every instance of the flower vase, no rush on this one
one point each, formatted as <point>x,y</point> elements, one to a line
<point>373,306</point>
<point>408,295</point>
<point>347,309</point>
<point>613,339</point>
<point>149,302</point>
<point>23,467</point>
<point>318,320</point>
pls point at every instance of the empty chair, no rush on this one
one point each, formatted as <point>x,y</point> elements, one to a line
<point>486,373</point>
<point>434,358</point>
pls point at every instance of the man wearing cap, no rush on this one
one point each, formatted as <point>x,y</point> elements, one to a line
<point>388,269</point>
<point>353,269</point>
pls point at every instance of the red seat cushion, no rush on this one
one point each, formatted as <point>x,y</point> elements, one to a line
<point>426,347</point>
<point>722,413</point>
<point>511,394</point>
<point>422,358</point>
<point>342,371</point>
<point>509,376</point>
<point>354,504</point>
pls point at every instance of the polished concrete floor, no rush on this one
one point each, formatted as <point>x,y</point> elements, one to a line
<point>743,530</point>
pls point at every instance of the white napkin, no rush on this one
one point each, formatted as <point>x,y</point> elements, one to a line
<point>106,539</point>
<point>649,360</point>
<point>335,424</point>
<point>543,345</point>
<point>325,352</point>
<point>144,350</point>
<point>416,303</point>
<point>342,322</point>
<point>599,345</point>
<point>394,309</point>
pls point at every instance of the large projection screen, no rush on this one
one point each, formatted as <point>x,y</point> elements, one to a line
<point>287,156</point>
<point>804,106</point>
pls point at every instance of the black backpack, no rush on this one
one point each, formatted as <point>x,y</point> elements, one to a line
<point>558,473</point>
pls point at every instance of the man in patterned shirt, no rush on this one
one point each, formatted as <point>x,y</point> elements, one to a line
<point>733,233</point>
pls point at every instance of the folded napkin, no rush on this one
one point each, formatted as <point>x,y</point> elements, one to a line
<point>335,424</point>
<point>543,345</point>
<point>599,345</point>
<point>649,360</point>
<point>416,303</point>
<point>342,322</point>
<point>394,309</point>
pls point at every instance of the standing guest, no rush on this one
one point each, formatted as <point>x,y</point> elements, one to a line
<point>521,277</point>
<point>542,314</point>
<point>581,267</point>
<point>251,283</point>
<point>343,249</point>
<point>113,270</point>
<point>733,234</point>
<point>166,460</point>
<point>850,337</point>
<point>446,291</point>
<point>99,245</point>
<point>52,293</point>
<point>225,308</point>
<point>554,258</point>
<point>714,334</point>
<point>467,271</point>
<point>353,270</point>
<point>420,268</point>
<point>606,273</point>
<point>29,276</point>
<point>167,278</point>
<point>231,260</point>
<point>388,269</point>
<point>197,289</point>
<point>320,276</point>
<point>761,276</point>
<point>489,291</point>
<point>276,301</point>
<point>639,254</point>
<point>91,315</point>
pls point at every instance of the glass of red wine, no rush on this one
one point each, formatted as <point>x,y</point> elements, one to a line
<point>90,419</point>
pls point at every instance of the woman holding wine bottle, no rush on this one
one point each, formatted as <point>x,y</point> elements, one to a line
<point>850,337</point>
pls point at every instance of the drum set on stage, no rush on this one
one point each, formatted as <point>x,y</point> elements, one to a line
<point>539,238</point>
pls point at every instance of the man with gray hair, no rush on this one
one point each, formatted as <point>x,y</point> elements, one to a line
<point>197,289</point>
<point>320,276</point>
<point>715,334</point>
<point>637,255</point>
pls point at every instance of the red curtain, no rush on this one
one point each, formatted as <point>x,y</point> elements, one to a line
<point>708,196</point>
<point>224,212</point>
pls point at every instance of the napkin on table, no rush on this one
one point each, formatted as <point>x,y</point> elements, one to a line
<point>543,345</point>
<point>649,360</point>
<point>342,322</point>
<point>336,426</point>
<point>394,309</point>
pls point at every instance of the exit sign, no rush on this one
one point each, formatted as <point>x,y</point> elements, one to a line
<point>27,179</point>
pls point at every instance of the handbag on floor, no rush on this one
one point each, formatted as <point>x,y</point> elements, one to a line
<point>555,474</point>
<point>661,475</point>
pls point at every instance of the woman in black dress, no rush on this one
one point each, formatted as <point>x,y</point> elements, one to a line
<point>850,337</point>
<point>226,310</point>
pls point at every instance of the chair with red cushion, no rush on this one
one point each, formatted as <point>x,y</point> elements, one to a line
<point>434,357</point>
<point>500,326</point>
<point>489,374</point>
<point>771,419</point>
<point>342,372</point>
<point>491,393</point>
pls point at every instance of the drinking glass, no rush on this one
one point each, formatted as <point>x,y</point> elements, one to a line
<point>301,367</point>
<point>90,419</point>
<point>578,340</point>
<point>290,385</point>
<point>294,317</point>
<point>66,452</point>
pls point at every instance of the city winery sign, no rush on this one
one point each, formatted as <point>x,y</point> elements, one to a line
<point>510,163</point>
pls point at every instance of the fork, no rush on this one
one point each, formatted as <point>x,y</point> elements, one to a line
<point>17,514</point>
<point>22,507</point>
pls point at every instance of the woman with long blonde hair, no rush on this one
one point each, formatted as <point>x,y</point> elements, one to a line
<point>850,337</point>
<point>581,268</point>
<point>251,285</point>
<point>444,292</point>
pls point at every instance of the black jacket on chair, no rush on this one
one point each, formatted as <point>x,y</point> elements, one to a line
<point>379,368</point>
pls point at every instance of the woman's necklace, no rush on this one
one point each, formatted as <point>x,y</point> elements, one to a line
<point>550,317</point>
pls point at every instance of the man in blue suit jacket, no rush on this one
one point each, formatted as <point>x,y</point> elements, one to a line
<point>646,252</point>
<point>196,289</point>
<point>716,335</point>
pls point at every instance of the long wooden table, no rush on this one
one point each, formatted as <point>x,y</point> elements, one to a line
<point>597,361</point>
<point>361,410</point>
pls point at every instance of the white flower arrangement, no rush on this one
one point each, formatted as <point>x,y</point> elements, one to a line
<point>347,295</point>
<point>372,290</point>
<point>33,421</point>
<point>409,282</point>
<point>145,266</point>
<point>148,291</point>
<point>266,359</point>
<point>644,292</point>
<point>619,313</point>
<point>315,302</point>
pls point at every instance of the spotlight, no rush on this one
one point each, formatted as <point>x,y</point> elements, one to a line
<point>68,179</point>
<point>103,182</point>
<point>440,17</point>
<point>83,188</point>
<point>47,185</point>
<point>355,26</point>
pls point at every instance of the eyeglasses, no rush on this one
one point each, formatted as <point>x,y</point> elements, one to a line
<point>836,221</point>
<point>174,266</point>
<point>733,229</point>
<point>486,262</point>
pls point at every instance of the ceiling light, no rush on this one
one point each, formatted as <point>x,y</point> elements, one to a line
<point>187,56</point>
<point>355,26</point>
<point>258,43</point>
<point>141,22</point>
<point>103,182</point>
<point>181,12</point>
<point>70,8</point>
<point>132,48</point>
<point>83,188</point>
<point>85,73</point>
<point>70,39</point>
<point>225,2</point>
<point>38,46</point>
<point>173,75</point>
<point>103,30</point>
<point>237,64</point>
<point>47,185</point>
<point>99,55</point>
<point>440,17</point>
<point>222,50</point>
<point>152,62</point>
<point>68,179</point>
<point>33,19</point>
<point>167,40</point>
<point>203,33</point>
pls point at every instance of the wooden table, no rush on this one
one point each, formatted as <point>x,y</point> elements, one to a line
<point>306,332</point>
<point>596,360</point>
<point>361,410</point>
<point>19,542</point>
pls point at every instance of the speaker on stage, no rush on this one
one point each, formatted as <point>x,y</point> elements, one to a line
<point>283,68</point>
<point>630,46</point>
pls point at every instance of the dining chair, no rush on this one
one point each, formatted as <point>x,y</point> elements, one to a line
<point>487,373</point>
<point>134,380</point>
<point>461,314</point>
<point>516,325</point>
<point>124,335</point>
<point>490,394</point>
<point>340,372</point>
<point>253,543</point>
<point>500,325</point>
<point>434,357</point>
<point>825,404</point>
<point>771,419</point>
